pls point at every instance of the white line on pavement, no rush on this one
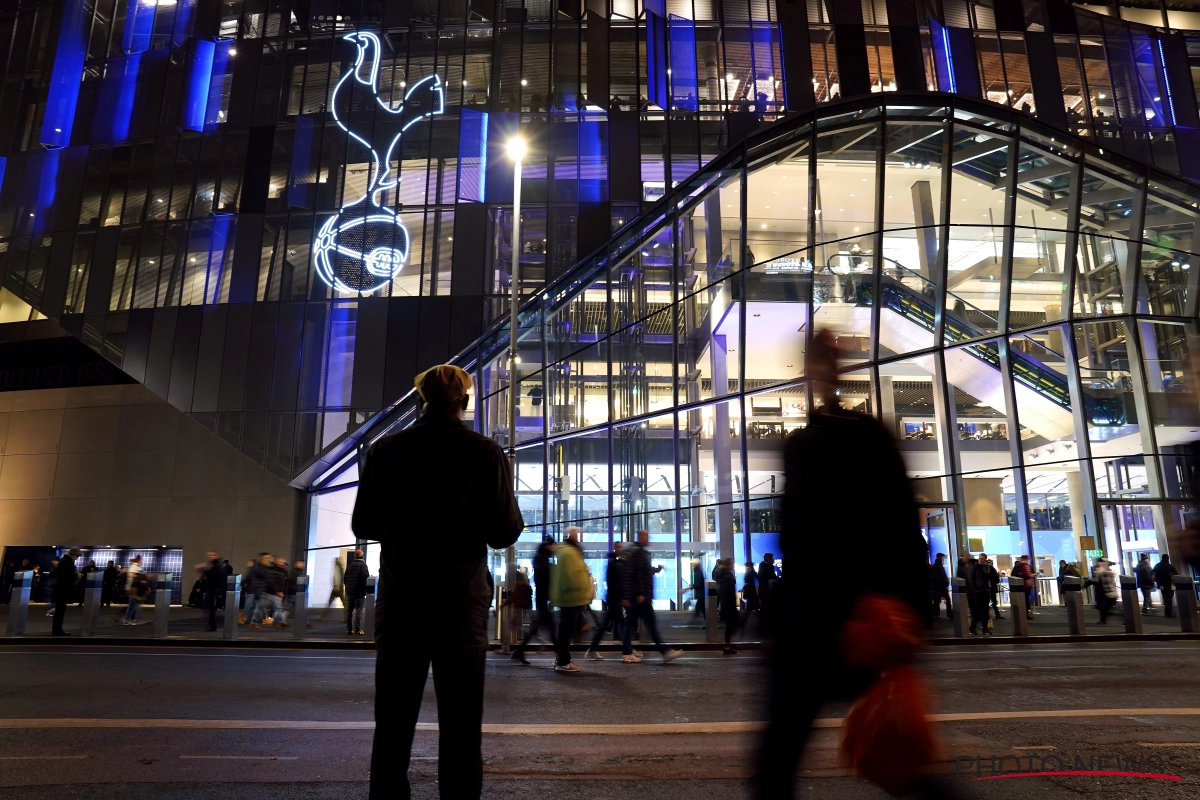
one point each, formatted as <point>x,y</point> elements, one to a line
<point>244,758</point>
<point>584,729</point>
<point>41,758</point>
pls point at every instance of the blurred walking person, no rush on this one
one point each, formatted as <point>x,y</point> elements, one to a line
<point>338,590</point>
<point>64,589</point>
<point>807,666</point>
<point>727,603</point>
<point>1164,576</point>
<point>939,586</point>
<point>979,592</point>
<point>356,592</point>
<point>572,591</point>
<point>1145,582</point>
<point>541,583</point>
<point>268,586</point>
<point>1106,588</point>
<point>249,597</point>
<point>435,476</point>
<point>750,589</point>
<point>638,599</point>
<point>697,587</point>
<point>136,590</point>
<point>994,589</point>
<point>614,612</point>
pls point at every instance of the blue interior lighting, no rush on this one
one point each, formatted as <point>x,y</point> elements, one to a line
<point>196,81</point>
<point>66,76</point>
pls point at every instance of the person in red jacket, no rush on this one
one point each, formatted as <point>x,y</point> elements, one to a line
<point>1024,571</point>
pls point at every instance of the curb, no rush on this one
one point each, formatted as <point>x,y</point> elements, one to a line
<point>697,647</point>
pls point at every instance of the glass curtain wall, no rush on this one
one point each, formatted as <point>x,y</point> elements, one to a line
<point>993,306</point>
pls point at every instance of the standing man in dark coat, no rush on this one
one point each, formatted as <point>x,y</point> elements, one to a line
<point>356,591</point>
<point>108,583</point>
<point>64,587</point>
<point>939,586</point>
<point>1164,576</point>
<point>214,586</point>
<point>545,616</point>
<point>436,477</point>
<point>829,465</point>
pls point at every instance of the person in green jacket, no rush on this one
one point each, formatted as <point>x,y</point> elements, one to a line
<point>572,590</point>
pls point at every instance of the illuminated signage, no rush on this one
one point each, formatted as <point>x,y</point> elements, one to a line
<point>364,247</point>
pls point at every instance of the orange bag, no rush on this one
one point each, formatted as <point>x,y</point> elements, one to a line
<point>886,737</point>
<point>882,632</point>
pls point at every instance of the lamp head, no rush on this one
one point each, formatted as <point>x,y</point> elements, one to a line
<point>516,148</point>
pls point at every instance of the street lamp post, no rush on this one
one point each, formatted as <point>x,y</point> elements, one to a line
<point>516,152</point>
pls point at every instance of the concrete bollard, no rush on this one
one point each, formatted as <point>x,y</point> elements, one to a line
<point>18,608</point>
<point>1185,600</point>
<point>1074,597</point>
<point>300,611</point>
<point>91,604</point>
<point>710,612</point>
<point>1129,604</point>
<point>958,587</point>
<point>233,595</point>
<point>162,604</point>
<point>368,611</point>
<point>1016,606</point>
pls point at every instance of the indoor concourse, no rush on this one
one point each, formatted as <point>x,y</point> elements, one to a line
<point>994,303</point>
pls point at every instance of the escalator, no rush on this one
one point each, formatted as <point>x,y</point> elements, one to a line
<point>1043,394</point>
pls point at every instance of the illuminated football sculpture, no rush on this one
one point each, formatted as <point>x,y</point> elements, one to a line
<point>365,246</point>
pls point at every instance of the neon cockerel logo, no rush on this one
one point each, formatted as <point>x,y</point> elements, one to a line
<point>364,247</point>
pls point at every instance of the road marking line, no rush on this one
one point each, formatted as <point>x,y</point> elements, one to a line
<point>41,758</point>
<point>193,654</point>
<point>576,729</point>
<point>245,758</point>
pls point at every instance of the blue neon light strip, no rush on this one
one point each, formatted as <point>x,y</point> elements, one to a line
<point>139,25</point>
<point>1162,58</point>
<point>685,92</point>
<point>183,22</point>
<point>66,76</point>
<point>472,156</point>
<point>196,81</point>
<point>949,60</point>
<point>216,84</point>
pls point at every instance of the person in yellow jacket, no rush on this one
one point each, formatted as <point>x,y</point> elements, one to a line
<point>572,589</point>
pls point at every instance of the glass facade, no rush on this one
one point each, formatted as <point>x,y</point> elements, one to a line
<point>1016,307</point>
<point>274,213</point>
<point>226,199</point>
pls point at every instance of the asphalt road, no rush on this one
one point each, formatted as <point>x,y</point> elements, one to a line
<point>297,724</point>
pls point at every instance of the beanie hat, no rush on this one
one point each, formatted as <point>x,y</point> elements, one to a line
<point>443,385</point>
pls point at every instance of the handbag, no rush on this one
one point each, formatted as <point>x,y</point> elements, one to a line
<point>886,737</point>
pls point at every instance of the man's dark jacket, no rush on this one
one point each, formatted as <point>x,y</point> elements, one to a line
<point>64,576</point>
<point>1145,575</point>
<point>355,579</point>
<point>266,579</point>
<point>845,474</point>
<point>614,581</point>
<point>638,575</point>
<point>214,578</point>
<point>440,494</point>
<point>541,573</point>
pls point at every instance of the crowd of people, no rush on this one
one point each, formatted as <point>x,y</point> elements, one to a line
<point>983,586</point>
